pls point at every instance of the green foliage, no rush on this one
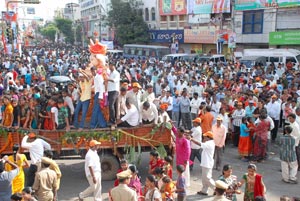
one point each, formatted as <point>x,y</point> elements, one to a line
<point>127,19</point>
<point>161,151</point>
<point>49,31</point>
<point>65,27</point>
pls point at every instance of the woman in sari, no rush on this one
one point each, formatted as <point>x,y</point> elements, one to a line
<point>261,138</point>
<point>231,180</point>
<point>254,185</point>
<point>244,141</point>
<point>8,116</point>
<point>21,160</point>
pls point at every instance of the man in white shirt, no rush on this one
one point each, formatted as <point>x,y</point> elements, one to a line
<point>113,88</point>
<point>274,108</point>
<point>168,99</point>
<point>131,118</point>
<point>148,113</point>
<point>36,149</point>
<point>195,104</point>
<point>97,119</point>
<point>295,133</point>
<point>122,110</point>
<point>197,135</point>
<point>148,95</point>
<point>92,169</point>
<point>207,161</point>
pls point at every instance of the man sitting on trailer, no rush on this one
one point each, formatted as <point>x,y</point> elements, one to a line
<point>131,118</point>
<point>148,113</point>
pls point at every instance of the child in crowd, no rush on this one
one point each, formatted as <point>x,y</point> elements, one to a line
<point>168,166</point>
<point>180,184</point>
<point>63,115</point>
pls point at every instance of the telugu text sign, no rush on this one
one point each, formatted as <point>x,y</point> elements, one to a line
<point>284,38</point>
<point>165,36</point>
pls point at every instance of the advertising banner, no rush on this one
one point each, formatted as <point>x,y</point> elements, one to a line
<point>263,4</point>
<point>284,38</point>
<point>199,19</point>
<point>232,40</point>
<point>165,36</point>
<point>208,6</point>
<point>204,36</point>
<point>199,6</point>
<point>172,7</point>
<point>221,6</point>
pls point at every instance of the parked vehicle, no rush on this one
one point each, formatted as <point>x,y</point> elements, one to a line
<point>214,58</point>
<point>251,61</point>
<point>145,51</point>
<point>276,55</point>
<point>115,53</point>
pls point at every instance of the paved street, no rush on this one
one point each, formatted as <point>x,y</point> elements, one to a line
<point>74,180</point>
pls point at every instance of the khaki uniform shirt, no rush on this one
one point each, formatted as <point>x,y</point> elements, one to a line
<point>45,183</point>
<point>123,193</point>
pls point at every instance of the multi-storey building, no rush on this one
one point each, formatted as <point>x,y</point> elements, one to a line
<point>224,25</point>
<point>93,13</point>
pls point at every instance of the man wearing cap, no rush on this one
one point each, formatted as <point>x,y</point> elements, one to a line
<point>122,192</point>
<point>92,168</point>
<point>36,147</point>
<point>197,135</point>
<point>135,94</point>
<point>220,189</point>
<point>274,109</point>
<point>113,87</point>
<point>219,131</point>
<point>207,160</point>
<point>45,183</point>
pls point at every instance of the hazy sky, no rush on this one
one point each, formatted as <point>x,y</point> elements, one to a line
<point>44,10</point>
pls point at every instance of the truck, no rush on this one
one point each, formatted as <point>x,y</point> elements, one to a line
<point>115,143</point>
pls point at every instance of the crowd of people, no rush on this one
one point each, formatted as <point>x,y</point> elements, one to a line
<point>207,103</point>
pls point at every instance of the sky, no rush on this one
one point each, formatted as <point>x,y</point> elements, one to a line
<point>43,10</point>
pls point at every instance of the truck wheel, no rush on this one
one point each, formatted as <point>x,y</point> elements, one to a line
<point>109,167</point>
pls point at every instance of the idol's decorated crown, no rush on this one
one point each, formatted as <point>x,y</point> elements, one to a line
<point>97,48</point>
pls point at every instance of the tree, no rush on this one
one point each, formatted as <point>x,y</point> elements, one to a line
<point>49,31</point>
<point>65,27</point>
<point>127,19</point>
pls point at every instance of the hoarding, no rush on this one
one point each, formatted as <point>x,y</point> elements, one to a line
<point>284,38</point>
<point>204,36</point>
<point>165,36</point>
<point>172,7</point>
<point>263,4</point>
<point>208,6</point>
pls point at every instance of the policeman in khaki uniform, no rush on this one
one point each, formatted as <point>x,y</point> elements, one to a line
<point>221,188</point>
<point>122,192</point>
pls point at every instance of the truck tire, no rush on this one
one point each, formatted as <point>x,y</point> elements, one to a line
<point>109,166</point>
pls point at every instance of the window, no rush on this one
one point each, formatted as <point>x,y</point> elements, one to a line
<point>152,14</point>
<point>253,22</point>
<point>146,14</point>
